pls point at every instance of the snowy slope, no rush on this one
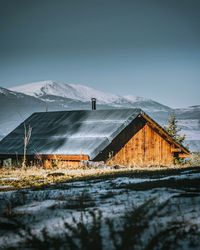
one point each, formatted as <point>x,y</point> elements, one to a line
<point>192,112</point>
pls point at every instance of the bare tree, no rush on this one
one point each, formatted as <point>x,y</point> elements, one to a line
<point>27,136</point>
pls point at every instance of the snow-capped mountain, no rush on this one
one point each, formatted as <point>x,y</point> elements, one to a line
<point>17,103</point>
<point>76,92</point>
<point>72,91</point>
<point>47,90</point>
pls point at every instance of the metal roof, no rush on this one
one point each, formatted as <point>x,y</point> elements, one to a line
<point>78,132</point>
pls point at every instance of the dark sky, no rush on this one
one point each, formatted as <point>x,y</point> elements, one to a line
<point>148,48</point>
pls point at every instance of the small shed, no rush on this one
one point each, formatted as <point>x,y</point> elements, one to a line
<point>118,136</point>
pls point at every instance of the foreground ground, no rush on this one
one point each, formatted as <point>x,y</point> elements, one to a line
<point>156,209</point>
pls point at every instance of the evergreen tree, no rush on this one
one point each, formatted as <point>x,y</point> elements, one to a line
<point>173,129</point>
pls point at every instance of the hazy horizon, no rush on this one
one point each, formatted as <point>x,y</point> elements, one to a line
<point>140,48</point>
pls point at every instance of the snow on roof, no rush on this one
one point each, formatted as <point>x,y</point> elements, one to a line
<point>85,132</point>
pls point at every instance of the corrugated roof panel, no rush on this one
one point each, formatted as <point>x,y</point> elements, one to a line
<point>69,132</point>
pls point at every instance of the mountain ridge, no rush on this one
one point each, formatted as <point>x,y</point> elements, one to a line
<point>75,91</point>
<point>83,93</point>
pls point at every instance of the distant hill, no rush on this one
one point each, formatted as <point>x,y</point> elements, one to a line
<point>19,102</point>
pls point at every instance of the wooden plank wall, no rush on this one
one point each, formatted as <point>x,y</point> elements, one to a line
<point>146,147</point>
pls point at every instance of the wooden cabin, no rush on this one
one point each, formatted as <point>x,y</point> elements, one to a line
<point>120,136</point>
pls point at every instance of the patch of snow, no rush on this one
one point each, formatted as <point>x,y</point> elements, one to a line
<point>9,179</point>
<point>30,88</point>
<point>5,187</point>
<point>184,175</point>
<point>35,206</point>
<point>135,98</point>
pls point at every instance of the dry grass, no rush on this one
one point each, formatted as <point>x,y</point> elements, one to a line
<point>15,177</point>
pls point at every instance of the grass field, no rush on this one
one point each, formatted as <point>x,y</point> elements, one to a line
<point>15,177</point>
